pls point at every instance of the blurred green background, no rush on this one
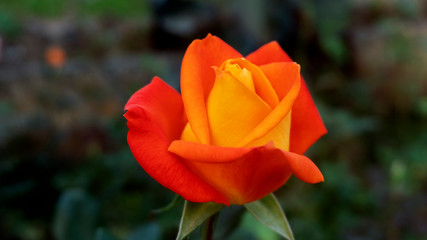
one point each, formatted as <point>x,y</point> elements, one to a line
<point>66,171</point>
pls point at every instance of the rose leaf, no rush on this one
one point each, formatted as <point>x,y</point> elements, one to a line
<point>194,214</point>
<point>269,212</point>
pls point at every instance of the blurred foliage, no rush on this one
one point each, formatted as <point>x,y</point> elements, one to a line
<point>53,8</point>
<point>65,168</point>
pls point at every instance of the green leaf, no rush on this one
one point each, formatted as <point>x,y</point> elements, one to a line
<point>194,214</point>
<point>268,211</point>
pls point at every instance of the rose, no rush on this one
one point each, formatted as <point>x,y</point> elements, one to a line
<point>239,130</point>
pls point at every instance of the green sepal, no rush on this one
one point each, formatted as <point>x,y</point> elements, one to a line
<point>194,214</point>
<point>269,212</point>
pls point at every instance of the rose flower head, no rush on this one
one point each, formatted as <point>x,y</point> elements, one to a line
<point>237,132</point>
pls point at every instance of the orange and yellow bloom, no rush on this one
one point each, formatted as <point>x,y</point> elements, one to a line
<point>238,131</point>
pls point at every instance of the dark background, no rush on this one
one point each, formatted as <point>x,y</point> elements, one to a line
<point>66,171</point>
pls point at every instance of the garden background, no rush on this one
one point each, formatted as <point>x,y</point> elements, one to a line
<point>66,171</point>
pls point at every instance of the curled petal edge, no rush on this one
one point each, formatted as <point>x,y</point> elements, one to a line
<point>277,114</point>
<point>302,167</point>
<point>198,152</point>
<point>307,125</point>
<point>150,138</point>
<point>197,78</point>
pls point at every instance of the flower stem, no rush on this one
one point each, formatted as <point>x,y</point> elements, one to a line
<point>208,230</point>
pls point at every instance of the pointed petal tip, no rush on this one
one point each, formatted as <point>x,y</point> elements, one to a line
<point>208,37</point>
<point>298,66</point>
<point>303,168</point>
<point>322,179</point>
<point>319,178</point>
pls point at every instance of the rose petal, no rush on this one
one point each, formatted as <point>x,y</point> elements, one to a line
<point>278,113</point>
<point>157,98</point>
<point>280,134</point>
<point>281,75</point>
<point>269,53</point>
<point>206,153</point>
<point>303,168</point>
<point>154,118</point>
<point>233,110</point>
<point>197,78</point>
<point>188,134</point>
<point>307,126</point>
<point>255,172</point>
<point>262,85</point>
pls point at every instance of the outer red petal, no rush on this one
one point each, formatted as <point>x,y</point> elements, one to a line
<point>245,174</point>
<point>162,104</point>
<point>156,117</point>
<point>197,78</point>
<point>306,125</point>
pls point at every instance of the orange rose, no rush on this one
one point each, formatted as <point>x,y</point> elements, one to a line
<point>238,131</point>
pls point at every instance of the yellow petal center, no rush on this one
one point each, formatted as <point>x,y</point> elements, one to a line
<point>243,108</point>
<point>243,75</point>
